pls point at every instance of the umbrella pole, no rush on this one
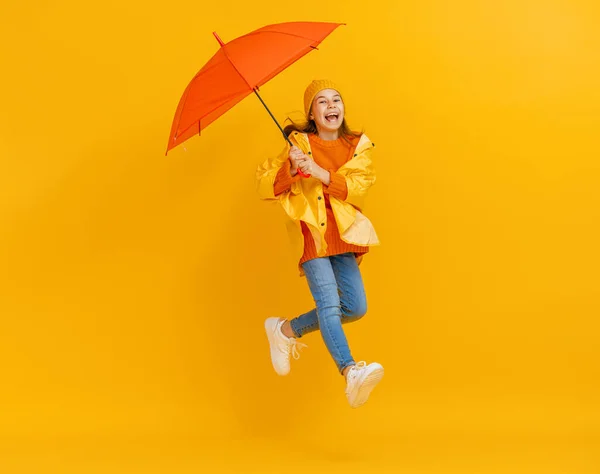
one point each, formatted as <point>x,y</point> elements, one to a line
<point>285,136</point>
<point>274,119</point>
<point>259,97</point>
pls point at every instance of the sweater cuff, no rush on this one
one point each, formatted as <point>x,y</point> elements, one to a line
<point>284,179</point>
<point>337,186</point>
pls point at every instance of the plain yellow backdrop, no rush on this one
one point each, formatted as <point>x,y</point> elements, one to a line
<point>134,286</point>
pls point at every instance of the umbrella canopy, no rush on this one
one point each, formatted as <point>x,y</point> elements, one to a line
<point>239,68</point>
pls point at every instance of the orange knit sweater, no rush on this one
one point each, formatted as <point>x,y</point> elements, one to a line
<point>329,155</point>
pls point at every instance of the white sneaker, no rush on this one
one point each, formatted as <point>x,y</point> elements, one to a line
<point>281,346</point>
<point>361,379</point>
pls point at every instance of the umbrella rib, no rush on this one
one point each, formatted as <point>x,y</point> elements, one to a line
<point>187,93</point>
<point>178,133</point>
<point>283,33</point>
<point>236,69</point>
<point>288,64</point>
<point>256,33</point>
<point>210,112</point>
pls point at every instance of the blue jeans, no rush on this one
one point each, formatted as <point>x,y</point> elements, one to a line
<point>337,288</point>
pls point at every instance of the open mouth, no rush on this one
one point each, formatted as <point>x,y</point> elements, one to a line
<point>332,117</point>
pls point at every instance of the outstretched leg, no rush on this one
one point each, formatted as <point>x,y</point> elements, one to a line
<point>324,288</point>
<point>351,291</point>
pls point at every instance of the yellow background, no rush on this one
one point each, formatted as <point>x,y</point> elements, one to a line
<point>134,286</point>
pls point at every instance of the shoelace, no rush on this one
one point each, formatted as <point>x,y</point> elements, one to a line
<point>353,372</point>
<point>295,345</point>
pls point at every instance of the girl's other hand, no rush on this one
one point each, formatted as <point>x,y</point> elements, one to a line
<point>310,167</point>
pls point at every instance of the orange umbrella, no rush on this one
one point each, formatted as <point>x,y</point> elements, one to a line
<point>239,68</point>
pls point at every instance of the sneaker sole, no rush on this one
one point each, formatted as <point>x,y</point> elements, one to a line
<point>367,387</point>
<point>270,327</point>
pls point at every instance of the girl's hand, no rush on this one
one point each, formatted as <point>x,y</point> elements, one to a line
<point>295,155</point>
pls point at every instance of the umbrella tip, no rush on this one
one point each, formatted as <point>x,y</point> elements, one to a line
<point>218,39</point>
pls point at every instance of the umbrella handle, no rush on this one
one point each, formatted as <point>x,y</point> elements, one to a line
<point>303,175</point>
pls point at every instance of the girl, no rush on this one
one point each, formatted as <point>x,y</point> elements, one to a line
<point>332,235</point>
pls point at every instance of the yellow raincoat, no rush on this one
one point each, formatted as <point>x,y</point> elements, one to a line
<point>301,203</point>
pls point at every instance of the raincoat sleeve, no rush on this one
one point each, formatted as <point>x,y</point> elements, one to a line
<point>284,179</point>
<point>360,176</point>
<point>337,185</point>
<point>266,174</point>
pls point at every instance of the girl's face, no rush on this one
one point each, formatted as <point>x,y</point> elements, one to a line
<point>327,110</point>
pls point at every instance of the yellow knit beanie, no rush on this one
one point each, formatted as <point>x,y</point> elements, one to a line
<point>313,89</point>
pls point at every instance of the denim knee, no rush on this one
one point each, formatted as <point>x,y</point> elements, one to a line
<point>356,309</point>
